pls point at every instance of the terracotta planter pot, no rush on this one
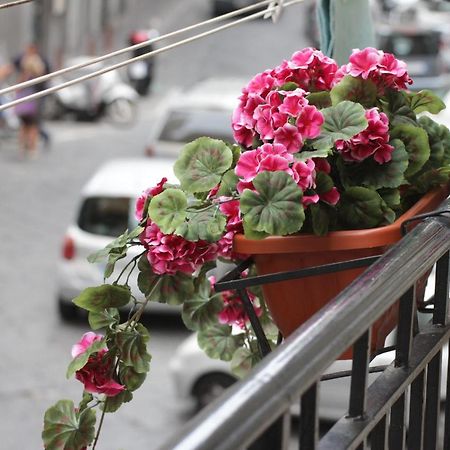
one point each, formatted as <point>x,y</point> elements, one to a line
<point>278,254</point>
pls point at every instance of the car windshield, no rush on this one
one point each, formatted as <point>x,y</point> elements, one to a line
<point>185,126</point>
<point>107,216</point>
<point>411,45</point>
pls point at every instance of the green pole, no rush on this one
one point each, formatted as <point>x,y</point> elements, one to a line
<point>344,25</point>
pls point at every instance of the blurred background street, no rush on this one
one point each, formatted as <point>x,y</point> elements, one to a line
<point>38,200</point>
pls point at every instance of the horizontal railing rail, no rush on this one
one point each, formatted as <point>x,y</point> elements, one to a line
<point>376,413</point>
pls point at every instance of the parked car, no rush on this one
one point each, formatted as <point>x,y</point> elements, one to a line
<point>105,210</point>
<point>203,110</point>
<point>198,379</point>
<point>219,7</point>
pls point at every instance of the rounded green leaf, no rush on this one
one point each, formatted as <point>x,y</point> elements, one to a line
<point>201,309</point>
<point>98,298</point>
<point>65,429</point>
<point>319,99</point>
<point>356,90</point>
<point>361,207</point>
<point>425,100</point>
<point>104,318</point>
<point>275,206</point>
<point>202,164</point>
<point>168,209</point>
<point>132,345</point>
<point>208,225</point>
<point>243,361</point>
<point>112,404</point>
<point>218,342</point>
<point>342,121</point>
<point>130,378</point>
<point>416,144</point>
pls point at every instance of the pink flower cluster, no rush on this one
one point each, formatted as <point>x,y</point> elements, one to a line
<point>373,141</point>
<point>382,68</point>
<point>230,208</point>
<point>270,113</point>
<point>169,253</point>
<point>233,312</point>
<point>97,374</point>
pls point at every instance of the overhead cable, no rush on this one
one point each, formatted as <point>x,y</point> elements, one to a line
<point>14,3</point>
<point>97,73</point>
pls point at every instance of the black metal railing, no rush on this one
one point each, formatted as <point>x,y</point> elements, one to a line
<point>404,397</point>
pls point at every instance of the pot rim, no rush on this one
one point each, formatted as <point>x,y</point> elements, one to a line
<point>341,240</point>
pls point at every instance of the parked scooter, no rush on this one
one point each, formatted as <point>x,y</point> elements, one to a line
<point>105,96</point>
<point>140,73</point>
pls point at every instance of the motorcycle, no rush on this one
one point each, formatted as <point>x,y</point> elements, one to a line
<point>140,73</point>
<point>105,96</point>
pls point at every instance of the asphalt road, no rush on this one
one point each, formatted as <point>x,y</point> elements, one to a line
<point>37,202</point>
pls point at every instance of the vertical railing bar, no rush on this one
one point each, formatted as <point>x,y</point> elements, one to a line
<point>397,430</point>
<point>447,404</point>
<point>416,413</point>
<point>360,374</point>
<point>405,328</point>
<point>441,291</point>
<point>432,404</point>
<point>263,343</point>
<point>309,422</point>
<point>378,437</point>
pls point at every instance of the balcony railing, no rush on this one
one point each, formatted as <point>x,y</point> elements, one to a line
<point>400,409</point>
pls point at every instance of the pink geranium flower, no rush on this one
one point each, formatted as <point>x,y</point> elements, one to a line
<point>145,196</point>
<point>97,373</point>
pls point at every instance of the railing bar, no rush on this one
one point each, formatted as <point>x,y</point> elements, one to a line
<point>440,315</point>
<point>405,328</point>
<point>358,384</point>
<point>233,274</point>
<point>432,403</point>
<point>225,285</point>
<point>378,437</point>
<point>263,343</point>
<point>309,422</point>
<point>416,413</point>
<point>397,430</point>
<point>447,404</point>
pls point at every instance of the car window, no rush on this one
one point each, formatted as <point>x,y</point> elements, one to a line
<point>107,216</point>
<point>410,45</point>
<point>185,126</point>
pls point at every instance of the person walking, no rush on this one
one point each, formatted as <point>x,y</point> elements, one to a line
<point>29,64</point>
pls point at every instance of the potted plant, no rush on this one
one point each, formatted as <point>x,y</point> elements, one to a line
<point>328,161</point>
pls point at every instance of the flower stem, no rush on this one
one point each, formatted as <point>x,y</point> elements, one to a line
<point>102,418</point>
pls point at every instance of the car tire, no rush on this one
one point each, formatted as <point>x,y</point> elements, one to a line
<point>67,310</point>
<point>209,387</point>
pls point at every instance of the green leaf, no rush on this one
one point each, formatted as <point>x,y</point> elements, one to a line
<point>130,378</point>
<point>98,298</point>
<point>132,345</point>
<point>275,206</point>
<point>324,183</point>
<point>416,144</point>
<point>391,197</point>
<point>112,404</point>
<point>370,174</point>
<point>250,233</point>
<point>202,164</point>
<point>289,86</point>
<point>114,255</point>
<point>208,225</point>
<point>228,184</point>
<point>87,398</point>
<point>65,429</point>
<point>201,310</point>
<point>319,153</point>
<point>172,289</point>
<point>80,361</point>
<point>320,218</point>
<point>218,342</point>
<point>356,90</point>
<point>425,101</point>
<point>361,207</point>
<point>243,361</point>
<point>341,121</point>
<point>117,244</point>
<point>104,318</point>
<point>320,99</point>
<point>168,209</point>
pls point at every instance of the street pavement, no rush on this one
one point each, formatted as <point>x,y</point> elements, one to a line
<point>38,200</point>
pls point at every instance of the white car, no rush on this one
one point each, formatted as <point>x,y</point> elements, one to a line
<point>105,211</point>
<point>203,110</point>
